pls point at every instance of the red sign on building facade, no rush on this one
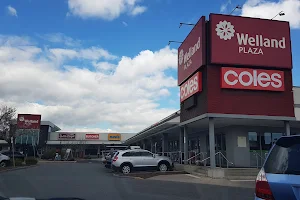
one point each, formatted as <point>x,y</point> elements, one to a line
<point>92,136</point>
<point>191,53</point>
<point>191,86</point>
<point>250,41</point>
<point>252,79</point>
<point>28,121</point>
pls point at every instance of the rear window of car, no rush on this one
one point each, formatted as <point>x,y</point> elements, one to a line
<point>284,158</point>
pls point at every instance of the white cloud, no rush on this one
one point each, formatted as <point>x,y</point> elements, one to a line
<point>138,10</point>
<point>92,53</point>
<point>78,98</point>
<point>268,9</point>
<point>104,9</point>
<point>61,38</point>
<point>224,6</point>
<point>12,11</point>
<point>105,66</point>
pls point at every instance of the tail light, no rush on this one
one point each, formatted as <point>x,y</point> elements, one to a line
<point>115,159</point>
<point>262,188</point>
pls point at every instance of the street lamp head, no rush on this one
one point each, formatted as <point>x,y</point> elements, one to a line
<point>238,7</point>
<point>281,13</point>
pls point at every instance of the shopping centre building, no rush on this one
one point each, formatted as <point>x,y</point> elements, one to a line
<point>32,133</point>
<point>236,94</point>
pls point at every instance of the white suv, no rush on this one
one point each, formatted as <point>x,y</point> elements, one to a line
<point>126,161</point>
<point>4,160</point>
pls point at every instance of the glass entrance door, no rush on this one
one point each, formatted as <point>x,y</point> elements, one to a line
<point>260,144</point>
<point>220,147</point>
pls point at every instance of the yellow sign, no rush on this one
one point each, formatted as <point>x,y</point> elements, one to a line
<point>114,136</point>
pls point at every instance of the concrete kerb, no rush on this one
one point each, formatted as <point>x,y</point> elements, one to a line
<point>17,168</point>
<point>52,161</point>
<point>146,175</point>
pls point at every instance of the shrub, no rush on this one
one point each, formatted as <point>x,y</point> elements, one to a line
<point>31,161</point>
<point>49,155</point>
<point>18,162</point>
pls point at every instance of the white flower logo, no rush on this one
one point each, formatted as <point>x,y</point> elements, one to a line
<point>21,119</point>
<point>181,57</point>
<point>225,30</point>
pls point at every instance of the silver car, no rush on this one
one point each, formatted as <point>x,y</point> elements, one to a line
<point>128,160</point>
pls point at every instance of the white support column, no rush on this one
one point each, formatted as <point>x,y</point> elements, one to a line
<point>212,142</point>
<point>185,144</point>
<point>287,128</point>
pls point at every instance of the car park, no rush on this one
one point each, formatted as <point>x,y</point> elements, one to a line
<point>279,178</point>
<point>128,160</point>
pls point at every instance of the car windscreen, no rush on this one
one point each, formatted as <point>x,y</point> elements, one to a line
<point>284,157</point>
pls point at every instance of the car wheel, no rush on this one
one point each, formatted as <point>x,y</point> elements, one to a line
<point>126,169</point>
<point>3,164</point>
<point>163,167</point>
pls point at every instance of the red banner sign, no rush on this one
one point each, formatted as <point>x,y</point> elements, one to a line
<point>191,53</point>
<point>250,41</point>
<point>252,79</point>
<point>191,86</point>
<point>92,136</point>
<point>28,121</point>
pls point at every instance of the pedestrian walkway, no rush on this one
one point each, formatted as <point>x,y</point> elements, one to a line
<point>188,178</point>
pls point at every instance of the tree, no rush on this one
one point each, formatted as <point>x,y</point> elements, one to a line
<point>7,115</point>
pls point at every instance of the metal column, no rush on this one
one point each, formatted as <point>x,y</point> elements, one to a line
<point>144,144</point>
<point>287,128</point>
<point>164,143</point>
<point>181,143</point>
<point>185,144</point>
<point>211,127</point>
<point>151,144</point>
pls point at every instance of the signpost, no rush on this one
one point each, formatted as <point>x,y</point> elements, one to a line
<point>13,150</point>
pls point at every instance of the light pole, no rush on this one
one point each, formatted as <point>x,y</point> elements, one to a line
<point>188,24</point>
<point>237,7</point>
<point>172,41</point>
<point>281,13</point>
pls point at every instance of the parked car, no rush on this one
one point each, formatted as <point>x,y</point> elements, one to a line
<point>133,147</point>
<point>17,155</point>
<point>4,160</point>
<point>128,160</point>
<point>108,159</point>
<point>279,177</point>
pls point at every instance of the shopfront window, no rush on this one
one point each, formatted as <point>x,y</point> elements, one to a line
<point>253,141</point>
<point>266,141</point>
<point>276,136</point>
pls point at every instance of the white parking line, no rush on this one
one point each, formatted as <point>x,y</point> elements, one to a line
<point>242,180</point>
<point>192,176</point>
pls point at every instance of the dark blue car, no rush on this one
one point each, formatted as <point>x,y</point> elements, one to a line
<point>279,178</point>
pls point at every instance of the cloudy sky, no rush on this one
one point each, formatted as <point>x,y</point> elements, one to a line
<point>104,65</point>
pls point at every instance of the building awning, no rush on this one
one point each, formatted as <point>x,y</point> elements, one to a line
<point>168,123</point>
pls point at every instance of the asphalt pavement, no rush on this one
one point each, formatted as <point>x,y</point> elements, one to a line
<point>92,181</point>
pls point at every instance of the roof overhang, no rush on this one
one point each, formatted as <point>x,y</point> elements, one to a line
<point>160,128</point>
